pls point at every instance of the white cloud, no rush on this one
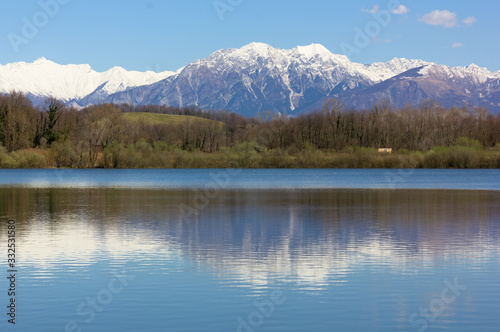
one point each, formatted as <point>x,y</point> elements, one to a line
<point>457,44</point>
<point>374,10</point>
<point>470,20</point>
<point>440,17</point>
<point>401,10</point>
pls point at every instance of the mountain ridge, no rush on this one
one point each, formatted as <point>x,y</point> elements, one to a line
<point>70,82</point>
<point>259,77</point>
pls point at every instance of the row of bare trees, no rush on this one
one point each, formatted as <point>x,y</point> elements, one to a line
<point>335,128</point>
<point>411,128</point>
<point>90,131</point>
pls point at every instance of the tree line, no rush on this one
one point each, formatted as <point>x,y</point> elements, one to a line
<point>55,135</point>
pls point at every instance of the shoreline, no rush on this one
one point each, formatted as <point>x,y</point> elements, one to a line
<point>455,157</point>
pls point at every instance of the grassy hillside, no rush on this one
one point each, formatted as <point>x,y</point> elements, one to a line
<point>155,118</point>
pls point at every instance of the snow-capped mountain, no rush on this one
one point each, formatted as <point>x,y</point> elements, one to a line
<point>469,85</point>
<point>258,77</point>
<point>70,83</point>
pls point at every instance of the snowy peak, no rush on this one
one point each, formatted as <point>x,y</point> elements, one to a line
<point>257,48</point>
<point>118,79</point>
<point>44,78</point>
<point>314,57</point>
<point>252,53</point>
<point>472,73</point>
<point>312,51</point>
<point>394,67</point>
<point>40,60</point>
<point>258,77</point>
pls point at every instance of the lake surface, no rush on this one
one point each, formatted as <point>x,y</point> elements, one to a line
<point>185,250</point>
<point>480,179</point>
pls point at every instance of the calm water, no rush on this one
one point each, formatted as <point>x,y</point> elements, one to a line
<point>224,256</point>
<point>481,179</point>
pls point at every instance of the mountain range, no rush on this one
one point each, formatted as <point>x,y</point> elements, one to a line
<point>258,77</point>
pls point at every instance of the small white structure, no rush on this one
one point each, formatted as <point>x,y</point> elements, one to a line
<point>385,150</point>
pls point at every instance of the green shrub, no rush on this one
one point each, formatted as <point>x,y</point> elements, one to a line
<point>62,154</point>
<point>276,159</point>
<point>433,159</point>
<point>6,160</point>
<point>461,157</point>
<point>468,143</point>
<point>29,159</point>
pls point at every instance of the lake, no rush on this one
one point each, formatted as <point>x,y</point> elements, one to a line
<point>480,179</point>
<point>253,250</point>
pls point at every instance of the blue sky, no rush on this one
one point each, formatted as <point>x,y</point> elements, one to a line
<point>163,35</point>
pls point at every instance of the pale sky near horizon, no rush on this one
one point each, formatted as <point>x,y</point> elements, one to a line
<point>164,35</point>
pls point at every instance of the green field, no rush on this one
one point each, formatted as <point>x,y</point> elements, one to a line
<point>156,118</point>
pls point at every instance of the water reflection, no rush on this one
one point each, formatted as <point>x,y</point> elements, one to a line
<point>311,238</point>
